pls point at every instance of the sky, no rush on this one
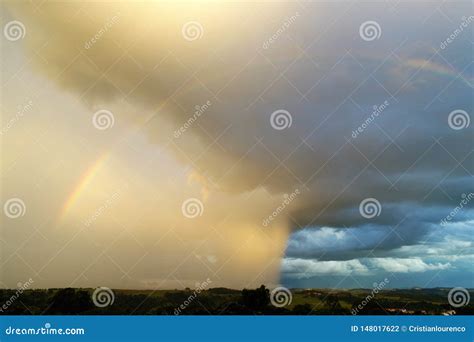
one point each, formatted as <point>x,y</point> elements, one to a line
<point>156,145</point>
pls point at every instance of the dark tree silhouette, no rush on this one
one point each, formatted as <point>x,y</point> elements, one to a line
<point>70,301</point>
<point>257,299</point>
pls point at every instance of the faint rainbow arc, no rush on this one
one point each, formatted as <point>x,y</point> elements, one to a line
<point>79,188</point>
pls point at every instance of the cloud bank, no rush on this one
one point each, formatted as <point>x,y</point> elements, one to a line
<point>396,92</point>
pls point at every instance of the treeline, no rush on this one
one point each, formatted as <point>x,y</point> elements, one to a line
<point>216,301</point>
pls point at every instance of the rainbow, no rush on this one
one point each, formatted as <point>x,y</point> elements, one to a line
<point>439,69</point>
<point>83,183</point>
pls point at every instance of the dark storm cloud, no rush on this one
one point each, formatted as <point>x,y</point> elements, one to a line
<point>407,156</point>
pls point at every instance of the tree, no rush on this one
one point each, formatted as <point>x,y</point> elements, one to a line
<point>256,299</point>
<point>70,301</point>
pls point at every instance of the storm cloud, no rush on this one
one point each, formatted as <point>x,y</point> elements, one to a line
<point>365,119</point>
